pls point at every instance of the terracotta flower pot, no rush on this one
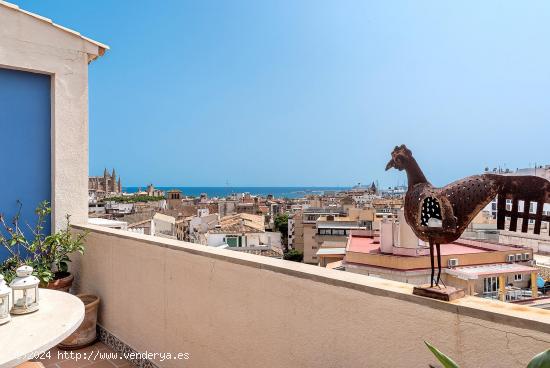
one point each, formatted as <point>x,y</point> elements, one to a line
<point>63,282</point>
<point>86,334</point>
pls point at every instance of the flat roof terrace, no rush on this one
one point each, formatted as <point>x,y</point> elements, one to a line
<point>473,272</point>
<point>365,250</point>
<point>368,244</point>
<point>457,248</point>
<point>363,244</point>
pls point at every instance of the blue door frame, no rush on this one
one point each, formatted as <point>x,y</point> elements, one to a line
<point>25,143</point>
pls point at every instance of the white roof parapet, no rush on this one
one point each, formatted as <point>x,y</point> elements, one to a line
<point>331,251</point>
<point>335,225</point>
<point>166,218</point>
<point>106,222</point>
<point>474,272</point>
<point>101,46</point>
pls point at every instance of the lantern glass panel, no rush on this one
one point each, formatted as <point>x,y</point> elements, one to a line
<point>4,305</point>
<point>24,297</point>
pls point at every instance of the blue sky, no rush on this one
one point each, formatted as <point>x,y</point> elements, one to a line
<point>284,92</point>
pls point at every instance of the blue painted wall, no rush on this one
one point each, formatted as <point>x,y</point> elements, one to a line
<point>25,144</point>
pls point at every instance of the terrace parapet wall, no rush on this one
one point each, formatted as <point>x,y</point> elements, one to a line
<point>230,309</point>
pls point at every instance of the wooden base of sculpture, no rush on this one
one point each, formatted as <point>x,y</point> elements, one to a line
<point>446,293</point>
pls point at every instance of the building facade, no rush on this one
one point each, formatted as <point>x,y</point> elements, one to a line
<point>44,104</point>
<point>100,187</point>
<point>481,268</point>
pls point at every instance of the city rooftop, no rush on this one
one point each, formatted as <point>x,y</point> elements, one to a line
<point>163,279</point>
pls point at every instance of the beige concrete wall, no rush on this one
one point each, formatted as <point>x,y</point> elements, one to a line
<point>538,243</point>
<point>324,260</point>
<point>407,263</point>
<point>33,44</point>
<point>365,214</point>
<point>310,243</point>
<point>417,277</point>
<point>298,241</point>
<point>228,309</point>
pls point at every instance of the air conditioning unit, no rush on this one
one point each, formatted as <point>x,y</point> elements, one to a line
<point>510,258</point>
<point>519,257</point>
<point>453,262</point>
<point>526,256</point>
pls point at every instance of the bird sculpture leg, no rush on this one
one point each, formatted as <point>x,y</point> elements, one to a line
<point>438,248</point>
<point>432,262</point>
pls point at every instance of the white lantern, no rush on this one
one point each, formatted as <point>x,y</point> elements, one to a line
<point>24,291</point>
<point>5,296</point>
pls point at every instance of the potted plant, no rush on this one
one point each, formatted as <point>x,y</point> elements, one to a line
<point>55,252</point>
<point>48,254</point>
<point>86,333</point>
<point>541,360</point>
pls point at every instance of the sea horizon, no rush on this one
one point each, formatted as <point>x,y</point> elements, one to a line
<point>276,191</point>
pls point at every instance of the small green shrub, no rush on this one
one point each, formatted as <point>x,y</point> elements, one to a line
<point>47,254</point>
<point>294,255</point>
<point>133,199</point>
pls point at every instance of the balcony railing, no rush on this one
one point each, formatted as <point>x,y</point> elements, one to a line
<point>511,295</point>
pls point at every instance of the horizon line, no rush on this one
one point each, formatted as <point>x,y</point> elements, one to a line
<point>241,186</point>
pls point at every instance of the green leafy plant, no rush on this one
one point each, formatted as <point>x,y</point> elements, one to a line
<point>443,359</point>
<point>133,199</point>
<point>294,255</point>
<point>8,267</point>
<point>541,360</point>
<point>281,224</point>
<point>57,247</point>
<point>48,254</point>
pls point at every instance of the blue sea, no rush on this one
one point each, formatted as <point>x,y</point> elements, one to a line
<point>278,192</point>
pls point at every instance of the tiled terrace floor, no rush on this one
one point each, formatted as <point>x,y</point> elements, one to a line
<point>97,355</point>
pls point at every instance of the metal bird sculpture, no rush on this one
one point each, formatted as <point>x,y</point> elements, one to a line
<point>440,215</point>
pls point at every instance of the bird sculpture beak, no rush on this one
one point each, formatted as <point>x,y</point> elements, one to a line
<point>390,165</point>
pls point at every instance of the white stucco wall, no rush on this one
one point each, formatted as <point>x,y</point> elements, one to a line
<point>539,243</point>
<point>271,238</point>
<point>253,239</point>
<point>214,240</point>
<point>33,44</point>
<point>163,224</point>
<point>203,224</point>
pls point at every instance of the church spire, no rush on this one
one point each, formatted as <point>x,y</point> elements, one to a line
<point>113,181</point>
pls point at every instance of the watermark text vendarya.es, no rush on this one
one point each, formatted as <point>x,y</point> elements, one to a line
<point>110,355</point>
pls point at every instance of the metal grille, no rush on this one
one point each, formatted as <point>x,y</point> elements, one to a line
<point>514,213</point>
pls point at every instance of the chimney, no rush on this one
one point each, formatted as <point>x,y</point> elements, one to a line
<point>407,238</point>
<point>386,236</point>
